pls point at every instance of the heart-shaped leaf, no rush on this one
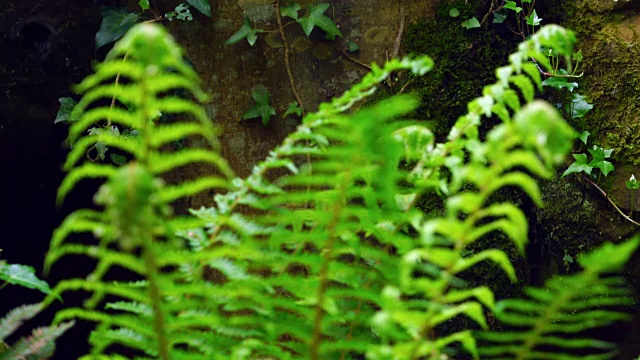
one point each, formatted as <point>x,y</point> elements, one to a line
<point>352,46</point>
<point>261,108</point>
<point>22,275</point>
<point>559,83</point>
<point>202,5</point>
<point>579,107</point>
<point>66,108</point>
<point>584,136</point>
<point>471,23</point>
<point>599,155</point>
<point>245,32</point>
<point>511,5</point>
<point>533,19</point>
<point>116,21</point>
<point>580,165</point>
<point>317,18</point>
<point>293,108</point>
<point>291,10</point>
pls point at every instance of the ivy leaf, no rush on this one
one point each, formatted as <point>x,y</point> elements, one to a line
<point>144,4</point>
<point>291,10</point>
<point>584,136</point>
<point>293,108</point>
<point>22,275</point>
<point>101,148</point>
<point>118,159</point>
<point>454,12</point>
<point>579,107</point>
<point>577,56</point>
<point>183,13</point>
<point>559,83</point>
<point>580,165</point>
<point>317,18</point>
<point>533,19</point>
<point>261,108</point>
<point>352,46</point>
<point>599,155</point>
<point>66,108</point>
<point>605,166</point>
<point>471,23</point>
<point>202,5</point>
<point>499,17</point>
<point>116,21</point>
<point>632,184</point>
<point>245,32</point>
<point>511,5</point>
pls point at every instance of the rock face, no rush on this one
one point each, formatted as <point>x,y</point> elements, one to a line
<point>45,48</point>
<point>319,67</point>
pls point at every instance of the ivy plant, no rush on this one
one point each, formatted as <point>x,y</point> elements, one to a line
<point>116,21</point>
<point>312,18</point>
<point>598,160</point>
<point>261,108</point>
<point>316,17</point>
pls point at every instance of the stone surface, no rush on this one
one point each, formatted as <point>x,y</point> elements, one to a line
<point>320,70</point>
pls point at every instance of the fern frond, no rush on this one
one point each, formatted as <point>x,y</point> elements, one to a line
<point>14,319</point>
<point>134,230</point>
<point>40,345</point>
<point>85,171</point>
<point>552,322</point>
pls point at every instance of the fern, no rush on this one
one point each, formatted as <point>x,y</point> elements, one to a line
<point>321,252</point>
<point>552,322</point>
<point>40,345</point>
<point>330,228</point>
<point>135,228</point>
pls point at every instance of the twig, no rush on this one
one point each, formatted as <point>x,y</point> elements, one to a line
<point>627,217</point>
<point>404,87</point>
<point>285,44</point>
<point>396,46</point>
<point>344,52</point>
<point>113,99</point>
<point>493,8</point>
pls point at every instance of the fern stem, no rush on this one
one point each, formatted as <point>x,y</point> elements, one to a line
<point>156,298</point>
<point>314,347</point>
<point>147,233</point>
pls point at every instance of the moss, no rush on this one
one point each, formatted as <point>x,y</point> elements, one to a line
<point>612,77</point>
<point>464,62</point>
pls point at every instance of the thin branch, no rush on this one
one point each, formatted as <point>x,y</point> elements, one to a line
<point>396,46</point>
<point>346,54</point>
<point>113,99</point>
<point>404,87</point>
<point>285,44</point>
<point>627,217</point>
<point>493,8</point>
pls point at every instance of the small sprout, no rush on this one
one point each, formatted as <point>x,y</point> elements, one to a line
<point>352,46</point>
<point>292,109</point>
<point>261,108</point>
<point>471,23</point>
<point>454,12</point>
<point>632,184</point>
